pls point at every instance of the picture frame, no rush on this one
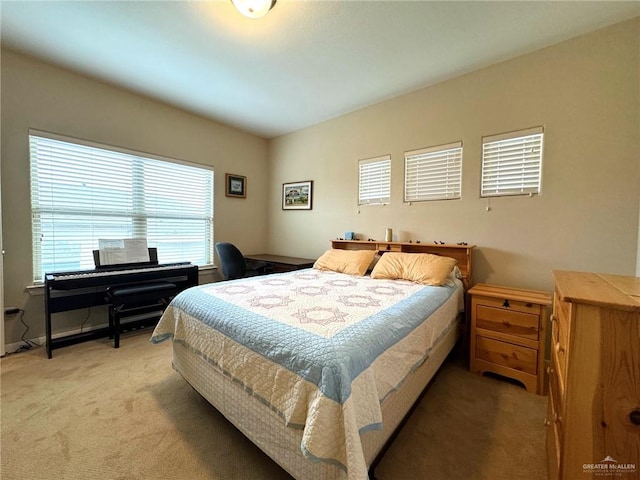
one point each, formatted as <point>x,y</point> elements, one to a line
<point>235,185</point>
<point>297,195</point>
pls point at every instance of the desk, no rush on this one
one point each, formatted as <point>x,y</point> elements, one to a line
<point>281,263</point>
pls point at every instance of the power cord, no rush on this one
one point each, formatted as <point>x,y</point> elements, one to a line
<point>85,319</point>
<point>27,344</point>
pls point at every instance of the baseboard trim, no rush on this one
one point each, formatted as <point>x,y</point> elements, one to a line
<point>11,348</point>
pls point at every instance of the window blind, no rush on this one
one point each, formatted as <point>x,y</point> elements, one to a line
<point>433,173</point>
<point>374,184</point>
<point>82,192</point>
<point>512,163</point>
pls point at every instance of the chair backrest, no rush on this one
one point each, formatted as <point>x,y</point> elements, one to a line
<point>231,261</point>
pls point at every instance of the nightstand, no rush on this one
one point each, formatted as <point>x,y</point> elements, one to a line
<point>508,333</point>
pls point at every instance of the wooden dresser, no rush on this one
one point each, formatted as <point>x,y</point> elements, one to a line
<point>593,417</point>
<point>508,333</point>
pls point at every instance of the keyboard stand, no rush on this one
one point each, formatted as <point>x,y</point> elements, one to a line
<point>67,291</point>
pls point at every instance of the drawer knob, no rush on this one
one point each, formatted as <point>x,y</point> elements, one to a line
<point>506,303</point>
<point>634,416</point>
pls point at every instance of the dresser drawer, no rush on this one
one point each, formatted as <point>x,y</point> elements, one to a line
<point>555,396</point>
<point>562,312</point>
<point>554,417</point>
<point>554,432</point>
<point>560,326</point>
<point>507,321</point>
<point>506,354</point>
<point>557,378</point>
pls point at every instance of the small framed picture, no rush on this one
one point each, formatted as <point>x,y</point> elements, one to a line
<point>236,185</point>
<point>297,195</point>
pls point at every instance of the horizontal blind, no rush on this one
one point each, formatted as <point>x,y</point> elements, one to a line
<point>374,180</point>
<point>512,163</point>
<point>433,173</point>
<point>81,193</point>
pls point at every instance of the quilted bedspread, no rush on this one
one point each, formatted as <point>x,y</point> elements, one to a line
<point>322,349</point>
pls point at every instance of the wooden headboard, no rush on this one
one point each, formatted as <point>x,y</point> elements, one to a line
<point>461,253</point>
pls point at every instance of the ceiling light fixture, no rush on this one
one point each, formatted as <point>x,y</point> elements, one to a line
<point>253,8</point>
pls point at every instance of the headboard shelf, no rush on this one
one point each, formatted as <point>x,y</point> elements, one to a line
<point>461,253</point>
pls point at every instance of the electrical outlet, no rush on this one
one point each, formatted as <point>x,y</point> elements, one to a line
<point>11,310</point>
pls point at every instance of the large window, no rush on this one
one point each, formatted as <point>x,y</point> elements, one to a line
<point>374,181</point>
<point>433,173</point>
<point>512,163</point>
<point>82,192</point>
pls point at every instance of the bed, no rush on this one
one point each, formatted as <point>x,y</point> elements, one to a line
<point>318,367</point>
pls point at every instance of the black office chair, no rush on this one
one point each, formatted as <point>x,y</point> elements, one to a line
<point>234,265</point>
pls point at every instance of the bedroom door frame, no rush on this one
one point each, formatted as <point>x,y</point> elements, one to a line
<point>2,346</point>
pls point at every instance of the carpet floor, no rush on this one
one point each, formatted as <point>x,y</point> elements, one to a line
<point>94,412</point>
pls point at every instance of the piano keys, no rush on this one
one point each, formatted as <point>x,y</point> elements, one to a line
<point>67,291</point>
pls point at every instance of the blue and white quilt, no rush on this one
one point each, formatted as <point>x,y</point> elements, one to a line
<point>322,349</point>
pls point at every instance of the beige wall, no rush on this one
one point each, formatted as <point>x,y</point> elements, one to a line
<point>38,95</point>
<point>585,93</point>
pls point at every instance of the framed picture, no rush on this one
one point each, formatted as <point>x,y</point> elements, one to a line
<point>236,185</point>
<point>297,195</point>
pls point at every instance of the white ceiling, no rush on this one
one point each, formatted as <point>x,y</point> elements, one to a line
<point>305,62</point>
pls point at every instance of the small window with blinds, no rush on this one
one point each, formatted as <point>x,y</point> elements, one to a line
<point>512,163</point>
<point>433,173</point>
<point>374,181</point>
<point>82,192</point>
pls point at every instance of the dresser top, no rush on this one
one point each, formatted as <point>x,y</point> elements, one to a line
<point>612,291</point>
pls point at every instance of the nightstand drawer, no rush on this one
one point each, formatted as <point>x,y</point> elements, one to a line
<point>507,321</point>
<point>506,354</point>
<point>510,304</point>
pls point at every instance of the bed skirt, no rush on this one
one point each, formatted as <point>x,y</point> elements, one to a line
<point>265,428</point>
